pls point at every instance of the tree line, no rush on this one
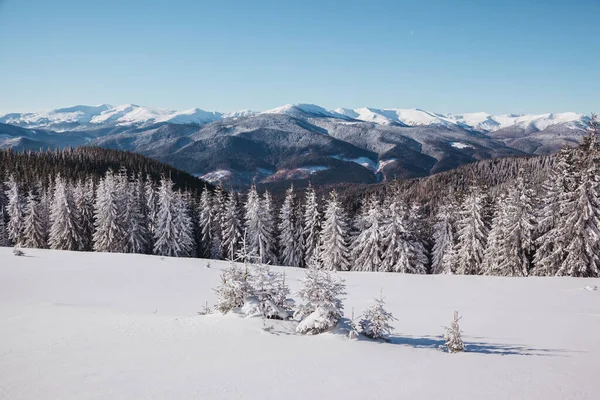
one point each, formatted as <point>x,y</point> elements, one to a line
<point>529,223</point>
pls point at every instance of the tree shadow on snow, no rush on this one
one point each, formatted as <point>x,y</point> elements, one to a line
<point>435,342</point>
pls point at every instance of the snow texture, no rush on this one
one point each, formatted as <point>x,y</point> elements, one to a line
<point>77,325</point>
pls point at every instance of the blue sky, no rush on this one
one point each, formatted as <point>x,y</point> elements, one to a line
<point>446,56</point>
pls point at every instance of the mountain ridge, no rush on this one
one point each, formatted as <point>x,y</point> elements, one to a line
<point>82,116</point>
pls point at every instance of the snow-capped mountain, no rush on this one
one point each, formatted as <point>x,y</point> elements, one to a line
<point>130,114</point>
<point>296,141</point>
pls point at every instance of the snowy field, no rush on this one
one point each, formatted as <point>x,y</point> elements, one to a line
<point>109,326</point>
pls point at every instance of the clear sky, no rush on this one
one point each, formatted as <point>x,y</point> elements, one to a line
<point>514,56</point>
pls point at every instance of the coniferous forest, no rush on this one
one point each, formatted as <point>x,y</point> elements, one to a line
<point>508,217</point>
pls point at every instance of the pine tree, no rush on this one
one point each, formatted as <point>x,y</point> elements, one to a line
<point>453,336</point>
<point>493,254</point>
<point>419,258</point>
<point>268,234</point>
<point>136,233</point>
<point>84,201</point>
<point>443,247</point>
<point>321,293</point>
<point>4,240</point>
<point>575,250</point>
<point>368,244</point>
<point>15,210</point>
<point>269,293</point>
<point>312,224</point>
<point>34,233</point>
<point>151,208</point>
<point>511,237</point>
<point>65,229</point>
<point>109,209</point>
<point>289,239</point>
<point>472,235</point>
<point>401,247</point>
<point>375,321</point>
<point>211,246</point>
<point>183,226</point>
<point>231,227</point>
<point>334,251</point>
<point>166,234</point>
<point>259,226</point>
<point>234,288</point>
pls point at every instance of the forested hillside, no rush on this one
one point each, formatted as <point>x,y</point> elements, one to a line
<point>512,217</point>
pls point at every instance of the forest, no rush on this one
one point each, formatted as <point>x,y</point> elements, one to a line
<point>508,217</point>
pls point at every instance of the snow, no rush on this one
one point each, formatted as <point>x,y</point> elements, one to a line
<point>215,176</point>
<point>460,145</point>
<point>98,325</point>
<point>374,166</point>
<point>131,114</point>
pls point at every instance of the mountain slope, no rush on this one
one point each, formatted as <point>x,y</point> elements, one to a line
<point>297,142</point>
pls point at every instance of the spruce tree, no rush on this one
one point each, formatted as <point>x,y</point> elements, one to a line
<point>65,229</point>
<point>34,231</point>
<point>443,238</point>
<point>368,245</point>
<point>4,240</point>
<point>472,234</point>
<point>109,214</point>
<point>312,224</point>
<point>289,243</point>
<point>231,227</point>
<point>84,201</point>
<point>334,249</point>
<point>15,210</point>
<point>166,235</point>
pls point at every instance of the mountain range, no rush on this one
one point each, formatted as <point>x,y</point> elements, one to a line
<point>297,142</point>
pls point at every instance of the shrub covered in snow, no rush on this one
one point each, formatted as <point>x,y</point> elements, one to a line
<point>234,288</point>
<point>269,294</point>
<point>322,306</point>
<point>453,336</point>
<point>375,322</point>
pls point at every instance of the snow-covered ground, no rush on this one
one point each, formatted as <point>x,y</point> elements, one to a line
<point>111,326</point>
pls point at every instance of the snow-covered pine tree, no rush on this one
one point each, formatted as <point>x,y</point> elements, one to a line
<point>259,227</point>
<point>15,211</point>
<point>136,231</point>
<point>83,195</point>
<point>443,238</point>
<point>368,245</point>
<point>493,255</point>
<point>471,235</point>
<point>218,210</point>
<point>576,234</point>
<point>231,227</point>
<point>312,224</point>
<point>211,246</point>
<point>334,249</point>
<point>322,294</point>
<point>516,245</point>
<point>289,243</point>
<point>183,226</point>
<point>166,234</point>
<point>269,293</point>
<point>65,228</point>
<point>419,257</point>
<point>234,288</point>
<point>109,209</point>
<point>4,240</point>
<point>400,246</point>
<point>453,336</point>
<point>268,234</point>
<point>34,231</point>
<point>151,197</point>
<point>375,321</point>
